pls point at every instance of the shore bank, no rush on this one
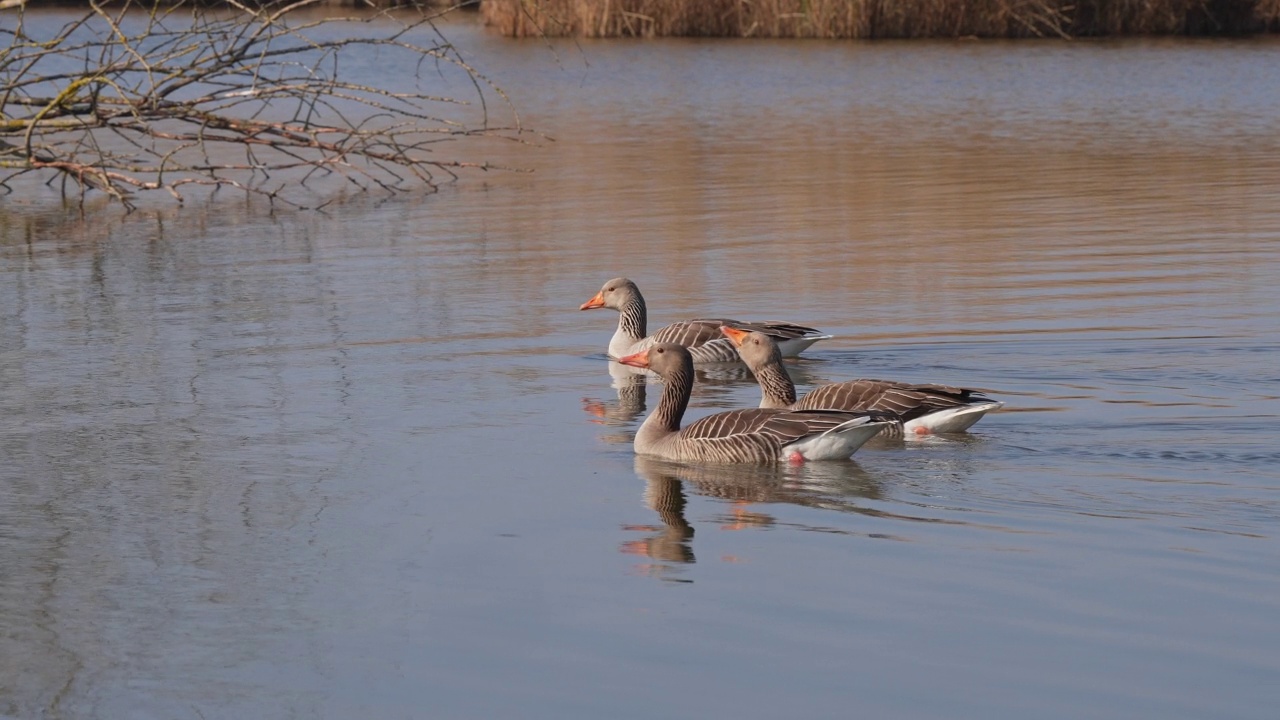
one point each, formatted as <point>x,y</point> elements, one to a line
<point>871,19</point>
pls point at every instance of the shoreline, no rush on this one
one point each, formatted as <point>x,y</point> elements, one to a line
<point>880,19</point>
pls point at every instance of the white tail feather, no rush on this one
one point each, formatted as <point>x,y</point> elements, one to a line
<point>795,346</point>
<point>837,443</point>
<point>951,420</point>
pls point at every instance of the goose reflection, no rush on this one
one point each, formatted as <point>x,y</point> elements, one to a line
<point>828,485</point>
<point>630,404</point>
<point>664,494</point>
<point>822,485</point>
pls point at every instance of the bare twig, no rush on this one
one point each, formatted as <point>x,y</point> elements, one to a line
<point>135,97</point>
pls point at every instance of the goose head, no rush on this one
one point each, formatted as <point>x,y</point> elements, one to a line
<point>755,348</point>
<point>665,359</point>
<point>614,295</point>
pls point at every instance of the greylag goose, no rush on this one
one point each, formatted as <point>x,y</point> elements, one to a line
<point>753,435</point>
<point>922,409</point>
<point>701,336</point>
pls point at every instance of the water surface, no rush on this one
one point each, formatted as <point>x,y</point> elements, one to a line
<point>372,463</point>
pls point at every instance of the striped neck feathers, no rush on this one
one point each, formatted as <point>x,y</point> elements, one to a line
<point>776,388</point>
<point>633,317</point>
<point>677,386</point>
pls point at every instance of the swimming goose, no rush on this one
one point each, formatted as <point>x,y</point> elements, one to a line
<point>922,409</point>
<point>754,435</point>
<point>701,336</point>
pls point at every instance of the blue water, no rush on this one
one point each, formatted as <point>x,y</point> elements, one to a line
<point>372,463</point>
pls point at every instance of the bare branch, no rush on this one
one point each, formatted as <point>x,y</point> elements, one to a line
<point>133,97</point>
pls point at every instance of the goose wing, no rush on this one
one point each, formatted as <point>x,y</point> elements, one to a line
<point>700,331</point>
<point>754,435</point>
<point>779,426</point>
<point>690,333</point>
<point>904,400</point>
<point>703,337</point>
<point>779,331</point>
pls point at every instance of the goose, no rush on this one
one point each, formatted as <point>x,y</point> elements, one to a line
<point>753,435</point>
<point>701,336</point>
<point>921,409</point>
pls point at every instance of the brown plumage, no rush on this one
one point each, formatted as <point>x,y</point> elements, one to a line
<point>702,336</point>
<point>919,408</point>
<point>755,435</point>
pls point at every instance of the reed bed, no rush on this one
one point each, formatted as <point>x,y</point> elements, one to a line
<point>879,18</point>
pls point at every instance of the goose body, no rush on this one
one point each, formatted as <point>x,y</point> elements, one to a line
<point>702,336</point>
<point>921,409</point>
<point>754,435</point>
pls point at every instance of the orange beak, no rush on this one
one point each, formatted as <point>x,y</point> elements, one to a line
<point>640,359</point>
<point>734,334</point>
<point>593,303</point>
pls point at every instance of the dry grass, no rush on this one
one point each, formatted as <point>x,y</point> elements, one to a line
<point>879,18</point>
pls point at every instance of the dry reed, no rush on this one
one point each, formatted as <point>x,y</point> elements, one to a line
<point>879,18</point>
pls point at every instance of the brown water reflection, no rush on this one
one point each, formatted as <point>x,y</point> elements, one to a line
<point>373,463</point>
<point>860,201</point>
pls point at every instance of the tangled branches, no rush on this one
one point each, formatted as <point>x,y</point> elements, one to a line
<point>130,97</point>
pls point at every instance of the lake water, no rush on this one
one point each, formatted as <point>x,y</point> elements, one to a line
<point>373,463</point>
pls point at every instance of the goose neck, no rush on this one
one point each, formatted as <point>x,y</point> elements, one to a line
<point>776,388</point>
<point>633,320</point>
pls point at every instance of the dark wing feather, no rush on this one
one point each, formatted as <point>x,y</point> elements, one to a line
<point>690,333</point>
<point>702,337</point>
<point>782,330</point>
<point>708,344</point>
<point>729,423</point>
<point>756,434</point>
<point>779,331</point>
<point>904,400</point>
<point>783,426</point>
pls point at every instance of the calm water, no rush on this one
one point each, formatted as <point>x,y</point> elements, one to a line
<point>373,464</point>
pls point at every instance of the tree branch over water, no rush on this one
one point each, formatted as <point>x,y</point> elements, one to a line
<point>130,97</point>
